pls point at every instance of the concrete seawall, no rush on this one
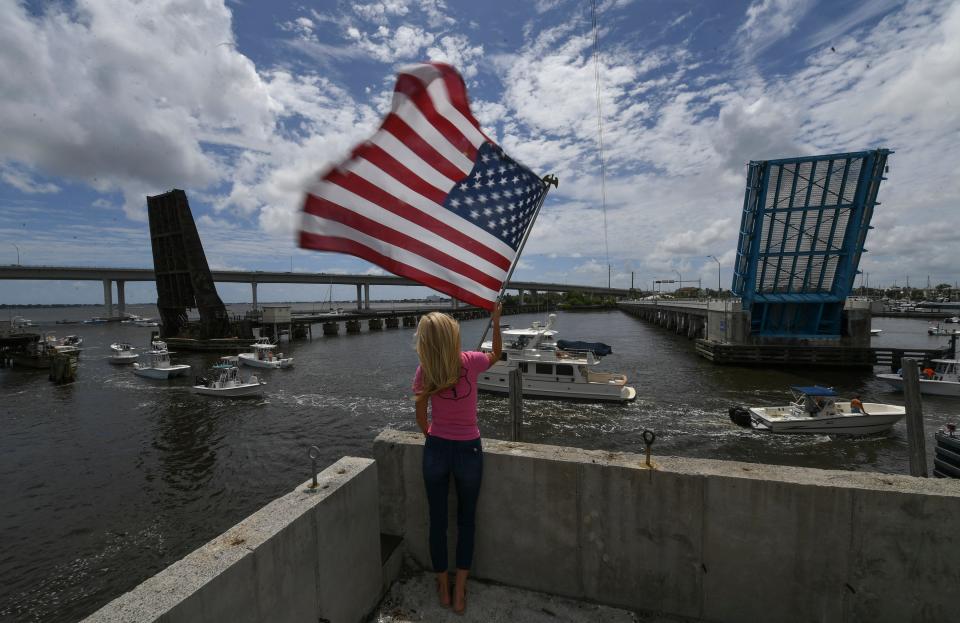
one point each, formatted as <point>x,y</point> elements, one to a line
<point>711,540</point>
<point>312,555</point>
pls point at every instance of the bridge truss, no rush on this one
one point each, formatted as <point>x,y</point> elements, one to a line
<point>802,233</point>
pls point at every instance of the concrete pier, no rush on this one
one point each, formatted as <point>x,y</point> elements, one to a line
<point>312,555</point>
<point>696,539</point>
<point>331,328</point>
<point>710,540</point>
<point>353,326</point>
<point>722,333</point>
<point>375,324</point>
<point>121,298</point>
<point>108,298</point>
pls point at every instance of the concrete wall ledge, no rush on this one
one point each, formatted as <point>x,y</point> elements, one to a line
<point>283,563</point>
<point>706,539</point>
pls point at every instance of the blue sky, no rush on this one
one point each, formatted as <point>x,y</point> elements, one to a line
<point>240,103</point>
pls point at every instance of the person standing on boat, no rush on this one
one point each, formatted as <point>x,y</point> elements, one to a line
<point>856,406</point>
<point>447,379</point>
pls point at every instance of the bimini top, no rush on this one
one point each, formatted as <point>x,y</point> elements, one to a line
<point>815,390</point>
<point>597,348</point>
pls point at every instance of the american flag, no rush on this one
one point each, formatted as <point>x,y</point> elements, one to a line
<point>429,197</point>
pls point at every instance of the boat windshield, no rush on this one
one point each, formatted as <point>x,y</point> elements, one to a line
<point>945,367</point>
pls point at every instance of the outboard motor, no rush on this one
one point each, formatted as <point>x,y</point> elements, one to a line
<point>740,416</point>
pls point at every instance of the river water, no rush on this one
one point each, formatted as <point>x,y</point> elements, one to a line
<point>110,479</point>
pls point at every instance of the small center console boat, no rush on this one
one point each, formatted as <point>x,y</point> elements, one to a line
<point>228,383</point>
<point>816,410</point>
<point>945,380</point>
<point>160,366</point>
<point>264,357</point>
<point>122,353</point>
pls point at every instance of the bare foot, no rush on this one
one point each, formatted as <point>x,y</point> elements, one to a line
<point>460,591</point>
<point>443,589</point>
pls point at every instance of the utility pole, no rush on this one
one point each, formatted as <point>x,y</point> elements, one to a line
<point>631,280</point>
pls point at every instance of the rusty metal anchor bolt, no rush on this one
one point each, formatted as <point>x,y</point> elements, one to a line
<point>314,453</point>
<point>648,438</point>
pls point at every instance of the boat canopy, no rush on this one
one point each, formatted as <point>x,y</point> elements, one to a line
<point>815,390</point>
<point>599,349</point>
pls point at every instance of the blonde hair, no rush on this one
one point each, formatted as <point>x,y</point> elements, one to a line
<point>438,346</point>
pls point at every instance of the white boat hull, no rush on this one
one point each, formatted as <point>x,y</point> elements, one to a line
<point>121,360</point>
<point>248,359</point>
<point>236,391</point>
<point>927,386</point>
<point>877,419</point>
<point>161,373</point>
<point>497,383</point>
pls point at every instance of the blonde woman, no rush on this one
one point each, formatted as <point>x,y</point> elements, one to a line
<point>447,379</point>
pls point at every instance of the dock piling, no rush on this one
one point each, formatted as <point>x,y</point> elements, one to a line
<point>916,442</point>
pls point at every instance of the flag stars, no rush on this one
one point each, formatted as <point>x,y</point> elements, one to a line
<point>468,200</point>
<point>455,202</point>
<point>474,214</point>
<point>487,211</point>
<point>500,209</point>
<point>482,198</point>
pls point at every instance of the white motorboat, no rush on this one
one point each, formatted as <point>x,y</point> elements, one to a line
<point>945,380</point>
<point>875,332</point>
<point>96,320</point>
<point>952,320</point>
<point>939,330</point>
<point>263,356</point>
<point>553,369</point>
<point>69,344</point>
<point>817,410</point>
<point>19,322</point>
<point>72,340</point>
<point>145,322</point>
<point>159,366</point>
<point>123,353</point>
<point>228,383</point>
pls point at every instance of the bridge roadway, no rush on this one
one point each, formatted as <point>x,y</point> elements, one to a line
<point>362,282</point>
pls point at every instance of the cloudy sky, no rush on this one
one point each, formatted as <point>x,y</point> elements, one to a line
<point>240,102</point>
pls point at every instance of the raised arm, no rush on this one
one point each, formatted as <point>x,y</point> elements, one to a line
<point>494,356</point>
<point>422,413</point>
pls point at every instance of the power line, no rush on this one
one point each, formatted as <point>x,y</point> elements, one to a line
<point>603,173</point>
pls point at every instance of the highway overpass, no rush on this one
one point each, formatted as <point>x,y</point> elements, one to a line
<point>109,275</point>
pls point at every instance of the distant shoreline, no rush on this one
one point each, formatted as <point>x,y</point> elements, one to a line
<point>260,303</point>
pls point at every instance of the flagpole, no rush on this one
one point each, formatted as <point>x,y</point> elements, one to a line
<point>548,180</point>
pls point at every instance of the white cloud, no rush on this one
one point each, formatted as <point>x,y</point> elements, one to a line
<point>457,51</point>
<point>24,183</point>
<point>96,92</point>
<point>389,46</point>
<point>768,21</point>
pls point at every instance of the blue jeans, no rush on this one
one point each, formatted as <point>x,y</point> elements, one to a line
<point>465,460</point>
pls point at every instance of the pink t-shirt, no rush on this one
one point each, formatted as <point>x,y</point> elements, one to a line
<point>453,412</point>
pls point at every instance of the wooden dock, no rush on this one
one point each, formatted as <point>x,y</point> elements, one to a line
<point>802,355</point>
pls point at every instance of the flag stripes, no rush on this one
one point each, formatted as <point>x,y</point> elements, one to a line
<point>429,196</point>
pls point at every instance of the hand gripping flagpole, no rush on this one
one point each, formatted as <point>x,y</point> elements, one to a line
<point>548,180</point>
